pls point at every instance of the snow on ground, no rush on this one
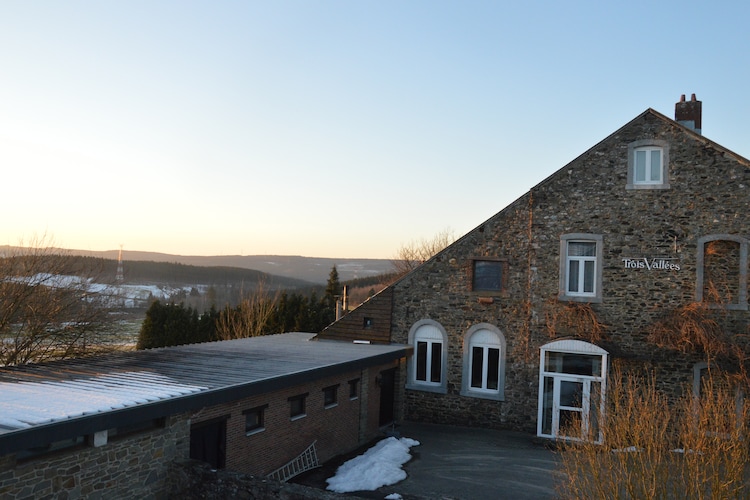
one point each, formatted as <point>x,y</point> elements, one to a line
<point>378,466</point>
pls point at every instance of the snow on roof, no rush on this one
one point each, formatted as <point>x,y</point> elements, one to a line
<point>179,378</point>
<point>25,404</point>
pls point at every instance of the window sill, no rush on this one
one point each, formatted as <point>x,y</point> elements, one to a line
<point>255,431</point>
<point>590,299</point>
<point>636,187</point>
<point>332,405</point>
<point>297,417</point>
<point>493,396</point>
<point>438,389</point>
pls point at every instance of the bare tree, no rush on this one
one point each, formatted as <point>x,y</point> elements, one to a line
<point>47,308</point>
<point>411,255</point>
<point>250,318</point>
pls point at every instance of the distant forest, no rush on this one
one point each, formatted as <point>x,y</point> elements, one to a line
<point>226,285</point>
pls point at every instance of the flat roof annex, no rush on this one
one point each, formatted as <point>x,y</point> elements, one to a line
<point>47,402</point>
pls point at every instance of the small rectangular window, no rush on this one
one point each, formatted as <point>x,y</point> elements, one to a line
<point>297,406</point>
<point>354,388</point>
<point>488,275</point>
<point>255,419</point>
<point>330,396</point>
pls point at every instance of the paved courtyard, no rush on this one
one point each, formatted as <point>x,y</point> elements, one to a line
<point>468,463</point>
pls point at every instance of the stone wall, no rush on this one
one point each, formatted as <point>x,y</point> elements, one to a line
<point>708,194</point>
<point>135,466</point>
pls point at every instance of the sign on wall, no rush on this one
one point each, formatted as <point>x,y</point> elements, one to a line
<point>651,264</point>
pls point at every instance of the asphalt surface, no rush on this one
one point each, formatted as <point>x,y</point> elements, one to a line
<point>453,463</point>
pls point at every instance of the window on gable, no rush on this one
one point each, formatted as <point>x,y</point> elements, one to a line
<point>255,420</point>
<point>488,275</point>
<point>581,267</point>
<point>427,365</point>
<point>484,363</point>
<point>723,271</point>
<point>647,164</point>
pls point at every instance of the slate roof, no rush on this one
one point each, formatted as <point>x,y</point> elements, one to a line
<point>52,401</point>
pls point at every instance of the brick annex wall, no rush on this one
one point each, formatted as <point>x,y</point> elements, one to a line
<point>708,195</point>
<point>135,466</point>
<point>337,429</point>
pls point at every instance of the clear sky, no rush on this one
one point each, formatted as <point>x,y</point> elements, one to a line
<point>330,128</point>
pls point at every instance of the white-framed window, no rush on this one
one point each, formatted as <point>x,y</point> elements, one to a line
<point>647,168</point>
<point>581,267</point>
<point>648,162</point>
<point>484,363</point>
<point>428,363</point>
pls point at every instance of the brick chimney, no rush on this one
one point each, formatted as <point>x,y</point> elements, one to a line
<point>688,113</point>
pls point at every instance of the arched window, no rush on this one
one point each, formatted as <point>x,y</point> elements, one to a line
<point>484,363</point>
<point>427,365</point>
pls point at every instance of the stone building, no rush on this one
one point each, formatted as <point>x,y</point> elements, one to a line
<point>115,426</point>
<point>519,322</point>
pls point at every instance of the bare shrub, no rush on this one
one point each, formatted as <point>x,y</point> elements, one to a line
<point>411,255</point>
<point>47,307</point>
<point>574,318</point>
<point>695,448</point>
<point>250,318</point>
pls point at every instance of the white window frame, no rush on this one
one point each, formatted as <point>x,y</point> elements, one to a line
<point>570,346</point>
<point>565,260</point>
<point>433,333</point>
<point>648,145</point>
<point>485,336</point>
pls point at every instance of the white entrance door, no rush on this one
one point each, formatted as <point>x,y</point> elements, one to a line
<point>571,387</point>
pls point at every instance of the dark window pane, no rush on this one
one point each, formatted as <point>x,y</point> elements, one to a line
<point>437,355</point>
<point>493,368</point>
<point>488,275</point>
<point>329,395</point>
<point>573,276</point>
<point>253,420</point>
<point>477,354</point>
<point>422,361</point>
<point>297,406</point>
<point>588,277</point>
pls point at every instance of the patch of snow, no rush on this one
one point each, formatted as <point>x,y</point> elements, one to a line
<point>393,496</point>
<point>378,466</point>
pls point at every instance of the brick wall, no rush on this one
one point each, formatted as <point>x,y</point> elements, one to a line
<point>135,466</point>
<point>337,429</point>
